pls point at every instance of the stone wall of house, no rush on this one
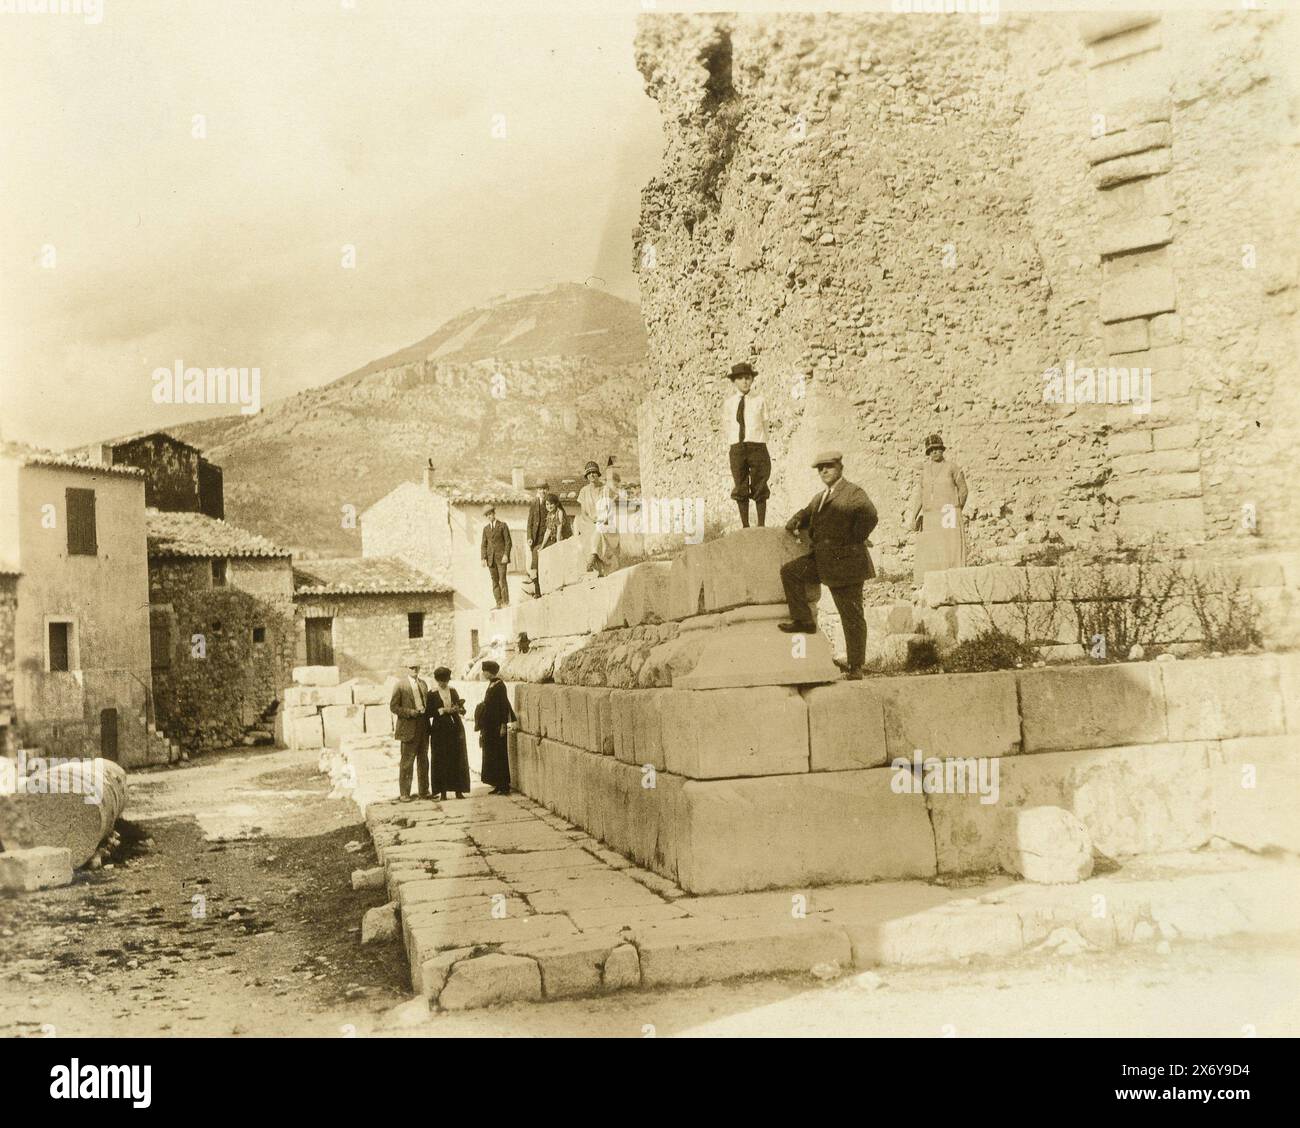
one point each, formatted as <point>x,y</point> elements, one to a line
<point>371,638</point>
<point>212,677</point>
<point>904,221</point>
<point>8,608</point>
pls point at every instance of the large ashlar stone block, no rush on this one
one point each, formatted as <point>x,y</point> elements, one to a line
<point>1134,800</point>
<point>681,953</point>
<point>599,720</point>
<point>749,650</point>
<point>950,715</point>
<point>818,828</point>
<point>641,595</point>
<point>378,719</point>
<point>304,732</point>
<point>315,675</point>
<point>1092,707</point>
<point>562,564</point>
<point>1288,669</point>
<point>648,706</point>
<point>1222,698</point>
<point>369,693</point>
<point>736,570</point>
<point>846,727</point>
<point>718,733</point>
<point>342,720</point>
<point>622,705</point>
<point>1256,792</point>
<point>1137,293</point>
<point>317,696</point>
<point>37,867</point>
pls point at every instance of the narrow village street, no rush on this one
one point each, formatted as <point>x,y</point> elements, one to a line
<point>271,947</point>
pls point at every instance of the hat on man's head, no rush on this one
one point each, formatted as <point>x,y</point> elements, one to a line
<point>490,511</point>
<point>412,658</point>
<point>933,442</point>
<point>491,667</point>
<point>744,368</point>
<point>827,458</point>
<point>590,468</point>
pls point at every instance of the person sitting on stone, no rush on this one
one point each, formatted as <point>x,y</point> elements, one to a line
<point>838,520</point>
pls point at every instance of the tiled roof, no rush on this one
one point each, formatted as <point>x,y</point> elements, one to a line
<point>196,534</point>
<point>63,460</point>
<point>483,493</point>
<point>363,575</point>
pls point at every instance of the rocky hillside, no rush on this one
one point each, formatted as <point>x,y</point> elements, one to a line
<point>542,381</point>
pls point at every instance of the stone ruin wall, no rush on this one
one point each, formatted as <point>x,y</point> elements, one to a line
<point>907,219</point>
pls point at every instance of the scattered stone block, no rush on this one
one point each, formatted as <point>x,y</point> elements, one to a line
<point>317,696</point>
<point>749,650</point>
<point>1048,845</point>
<point>379,925</point>
<point>37,867</point>
<point>370,693</point>
<point>315,675</point>
<point>486,980</point>
<point>368,878</point>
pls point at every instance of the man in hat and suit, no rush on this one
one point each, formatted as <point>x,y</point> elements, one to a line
<point>934,512</point>
<point>496,550</point>
<point>408,703</point>
<point>744,423</point>
<point>839,520</point>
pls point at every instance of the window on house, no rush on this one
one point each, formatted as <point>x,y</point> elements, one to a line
<point>219,571</point>
<point>60,647</point>
<point>259,634</point>
<point>80,506</point>
<point>415,624</point>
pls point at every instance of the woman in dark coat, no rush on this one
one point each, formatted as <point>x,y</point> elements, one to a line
<point>491,719</point>
<point>445,708</point>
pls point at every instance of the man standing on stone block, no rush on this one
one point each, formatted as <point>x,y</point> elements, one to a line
<point>744,423</point>
<point>536,528</point>
<point>408,703</point>
<point>496,550</point>
<point>839,520</point>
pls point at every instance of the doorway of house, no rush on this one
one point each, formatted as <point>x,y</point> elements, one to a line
<point>108,734</point>
<point>320,642</point>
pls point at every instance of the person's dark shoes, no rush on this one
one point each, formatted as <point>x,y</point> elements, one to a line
<point>442,797</point>
<point>792,627</point>
<point>460,795</point>
<point>405,799</point>
<point>501,791</point>
<point>855,673</point>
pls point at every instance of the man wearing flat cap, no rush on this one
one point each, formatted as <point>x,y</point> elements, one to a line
<point>838,521</point>
<point>744,423</point>
<point>496,549</point>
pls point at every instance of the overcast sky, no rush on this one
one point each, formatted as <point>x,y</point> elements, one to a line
<point>326,125</point>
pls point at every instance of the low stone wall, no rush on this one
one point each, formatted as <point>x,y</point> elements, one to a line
<point>1044,605</point>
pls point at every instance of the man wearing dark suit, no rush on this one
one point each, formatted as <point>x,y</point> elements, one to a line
<point>839,520</point>
<point>536,521</point>
<point>408,703</point>
<point>496,555</point>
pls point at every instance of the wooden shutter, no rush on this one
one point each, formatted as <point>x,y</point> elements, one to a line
<point>80,505</point>
<point>59,657</point>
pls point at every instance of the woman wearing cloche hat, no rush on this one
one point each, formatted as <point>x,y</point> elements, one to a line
<point>935,513</point>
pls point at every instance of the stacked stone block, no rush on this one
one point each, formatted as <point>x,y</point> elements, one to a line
<point>320,711</point>
<point>745,788</point>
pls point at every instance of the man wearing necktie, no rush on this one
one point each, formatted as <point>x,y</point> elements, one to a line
<point>839,520</point>
<point>407,703</point>
<point>744,423</point>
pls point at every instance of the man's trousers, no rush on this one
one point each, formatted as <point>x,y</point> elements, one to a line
<point>798,575</point>
<point>500,586</point>
<point>415,754</point>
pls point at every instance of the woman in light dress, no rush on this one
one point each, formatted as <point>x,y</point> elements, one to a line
<point>935,513</point>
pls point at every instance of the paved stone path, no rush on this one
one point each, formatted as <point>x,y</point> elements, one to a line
<point>502,901</point>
